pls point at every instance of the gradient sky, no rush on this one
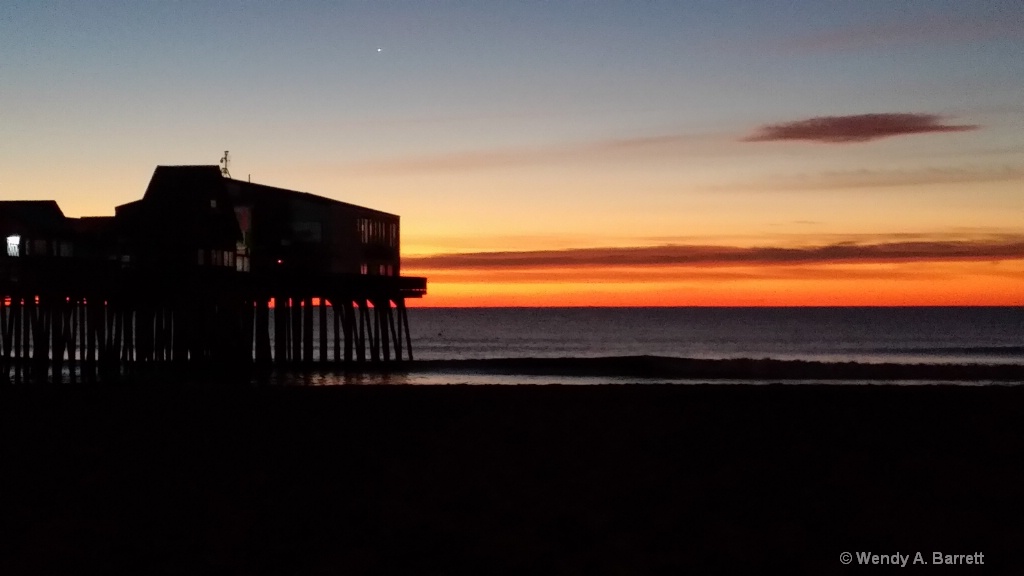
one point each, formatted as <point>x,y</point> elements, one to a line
<point>565,153</point>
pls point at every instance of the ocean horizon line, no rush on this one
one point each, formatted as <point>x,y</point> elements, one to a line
<point>417,306</point>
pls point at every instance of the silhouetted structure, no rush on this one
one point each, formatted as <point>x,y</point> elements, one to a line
<point>203,268</point>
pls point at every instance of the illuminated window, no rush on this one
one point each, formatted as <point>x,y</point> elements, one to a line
<point>14,245</point>
<point>363,269</point>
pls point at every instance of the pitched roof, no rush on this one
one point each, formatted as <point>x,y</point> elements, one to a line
<point>29,216</point>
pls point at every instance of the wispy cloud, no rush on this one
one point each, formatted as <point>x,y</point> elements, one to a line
<point>576,151</point>
<point>855,128</point>
<point>724,256</point>
<point>878,178</point>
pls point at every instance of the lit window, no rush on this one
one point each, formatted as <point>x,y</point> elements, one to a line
<point>363,268</point>
<point>213,203</point>
<point>14,245</point>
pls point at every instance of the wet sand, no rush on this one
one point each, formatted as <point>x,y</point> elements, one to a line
<point>646,367</point>
<point>507,480</point>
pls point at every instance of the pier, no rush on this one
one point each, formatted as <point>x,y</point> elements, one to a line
<point>203,270</point>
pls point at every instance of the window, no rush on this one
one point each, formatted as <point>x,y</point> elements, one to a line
<point>39,247</point>
<point>363,268</point>
<point>363,227</point>
<point>14,245</point>
<point>213,203</point>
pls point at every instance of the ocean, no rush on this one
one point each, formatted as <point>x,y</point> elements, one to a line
<point>940,335</point>
<point>900,335</point>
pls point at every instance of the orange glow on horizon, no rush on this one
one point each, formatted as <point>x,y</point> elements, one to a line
<point>911,284</point>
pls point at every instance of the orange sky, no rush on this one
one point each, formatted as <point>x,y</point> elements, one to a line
<point>909,284</point>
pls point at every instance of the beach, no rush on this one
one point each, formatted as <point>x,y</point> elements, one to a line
<point>733,479</point>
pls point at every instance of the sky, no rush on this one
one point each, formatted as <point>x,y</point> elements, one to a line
<point>565,153</point>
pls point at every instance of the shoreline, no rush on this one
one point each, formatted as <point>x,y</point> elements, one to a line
<point>654,367</point>
<point>645,369</point>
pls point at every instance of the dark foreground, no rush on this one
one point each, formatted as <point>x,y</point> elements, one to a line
<point>508,480</point>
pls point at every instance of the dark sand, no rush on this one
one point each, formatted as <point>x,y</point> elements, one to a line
<point>765,369</point>
<point>508,480</point>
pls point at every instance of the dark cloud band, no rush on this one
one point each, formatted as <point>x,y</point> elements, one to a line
<point>696,255</point>
<point>855,128</point>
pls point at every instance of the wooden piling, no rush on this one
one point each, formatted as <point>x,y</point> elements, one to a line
<point>323,330</point>
<point>307,330</point>
<point>262,330</point>
<point>349,325</point>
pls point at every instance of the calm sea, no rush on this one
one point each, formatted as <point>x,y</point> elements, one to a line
<point>969,335</point>
<point>902,335</point>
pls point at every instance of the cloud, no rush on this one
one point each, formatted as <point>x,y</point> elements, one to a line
<point>878,178</point>
<point>595,150</point>
<point>893,252</point>
<point>855,128</point>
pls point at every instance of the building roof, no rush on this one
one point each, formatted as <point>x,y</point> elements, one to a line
<point>257,191</point>
<point>32,216</point>
<point>91,224</point>
<point>205,182</point>
<point>182,202</point>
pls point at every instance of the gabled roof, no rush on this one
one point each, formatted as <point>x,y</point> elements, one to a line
<point>38,216</point>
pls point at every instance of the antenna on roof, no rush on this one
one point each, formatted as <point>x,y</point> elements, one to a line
<point>224,165</point>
